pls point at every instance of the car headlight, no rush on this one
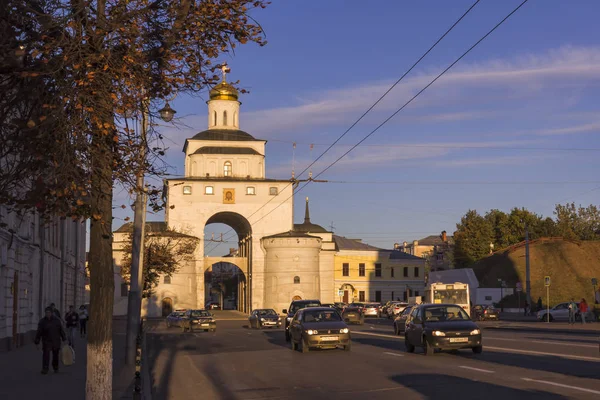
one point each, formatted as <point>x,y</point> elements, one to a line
<point>312,332</point>
<point>289,319</point>
<point>438,333</point>
<point>344,330</point>
<point>475,332</point>
<point>262,320</point>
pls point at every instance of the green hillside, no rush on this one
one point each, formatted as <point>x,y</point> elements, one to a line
<point>570,264</point>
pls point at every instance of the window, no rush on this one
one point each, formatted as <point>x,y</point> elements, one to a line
<point>296,279</point>
<point>392,272</point>
<point>416,272</point>
<point>124,290</point>
<point>346,269</point>
<point>361,269</point>
<point>251,190</point>
<point>167,280</point>
<point>378,270</point>
<point>227,168</point>
<point>488,298</point>
<point>225,118</point>
<point>416,292</point>
<point>361,295</point>
<point>405,296</point>
<point>392,296</point>
<point>215,118</point>
<point>378,296</point>
<point>209,190</point>
<point>406,272</point>
<point>273,191</point>
<point>235,119</point>
<point>187,190</point>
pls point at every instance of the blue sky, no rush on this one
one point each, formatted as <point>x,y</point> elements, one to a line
<point>522,107</point>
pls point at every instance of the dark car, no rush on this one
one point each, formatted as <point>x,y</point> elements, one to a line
<point>294,307</point>
<point>197,319</point>
<point>174,318</point>
<point>213,305</point>
<point>319,327</point>
<point>353,314</point>
<point>264,318</point>
<point>483,312</point>
<point>441,326</point>
<point>400,321</point>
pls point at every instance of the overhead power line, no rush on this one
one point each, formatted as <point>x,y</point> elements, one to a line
<point>372,106</point>
<point>402,107</point>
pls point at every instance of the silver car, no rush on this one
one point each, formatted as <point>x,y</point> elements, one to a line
<point>372,310</point>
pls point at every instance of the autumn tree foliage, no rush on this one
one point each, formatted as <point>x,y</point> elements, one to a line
<point>70,74</point>
<point>164,254</point>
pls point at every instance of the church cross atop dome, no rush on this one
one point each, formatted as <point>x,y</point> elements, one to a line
<point>225,70</point>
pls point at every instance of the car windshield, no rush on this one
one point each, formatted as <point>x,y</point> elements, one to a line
<point>321,316</point>
<point>298,306</point>
<point>406,311</point>
<point>267,312</point>
<point>450,296</point>
<point>178,313</point>
<point>445,313</point>
<point>199,314</point>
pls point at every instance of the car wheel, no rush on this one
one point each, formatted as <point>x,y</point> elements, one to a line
<point>305,348</point>
<point>478,349</point>
<point>191,329</point>
<point>362,322</point>
<point>293,344</point>
<point>409,347</point>
<point>427,349</point>
<point>348,347</point>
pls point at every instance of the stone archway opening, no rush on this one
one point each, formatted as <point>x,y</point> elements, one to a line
<point>166,306</point>
<point>228,261</point>
<point>296,297</point>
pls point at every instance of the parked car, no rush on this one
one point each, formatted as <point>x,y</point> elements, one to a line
<point>396,309</point>
<point>559,312</point>
<point>264,318</point>
<point>319,327</point>
<point>372,310</point>
<point>483,312</point>
<point>353,315</point>
<point>213,305</point>
<point>400,321</point>
<point>198,319</point>
<point>441,326</point>
<point>294,307</point>
<point>340,306</point>
<point>174,318</point>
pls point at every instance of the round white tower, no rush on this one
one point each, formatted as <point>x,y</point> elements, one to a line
<point>223,106</point>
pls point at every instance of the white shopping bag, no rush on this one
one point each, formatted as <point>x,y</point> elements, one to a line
<point>67,355</point>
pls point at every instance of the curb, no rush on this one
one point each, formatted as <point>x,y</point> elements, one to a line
<point>586,332</point>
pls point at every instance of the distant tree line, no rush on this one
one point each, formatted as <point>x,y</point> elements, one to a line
<point>475,232</point>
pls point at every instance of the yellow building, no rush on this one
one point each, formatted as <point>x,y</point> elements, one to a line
<point>367,273</point>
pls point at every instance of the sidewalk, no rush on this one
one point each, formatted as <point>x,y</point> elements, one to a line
<point>592,328</point>
<point>21,377</point>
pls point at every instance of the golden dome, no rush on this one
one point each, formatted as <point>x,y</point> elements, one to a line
<point>224,91</point>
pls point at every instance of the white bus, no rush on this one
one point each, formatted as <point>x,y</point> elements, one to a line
<point>449,293</point>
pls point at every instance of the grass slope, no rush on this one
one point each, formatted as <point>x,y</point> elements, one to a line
<point>570,266</point>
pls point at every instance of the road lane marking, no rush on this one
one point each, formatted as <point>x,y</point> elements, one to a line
<point>541,353</point>
<point>562,385</point>
<point>542,341</point>
<point>374,334</point>
<point>393,354</point>
<point>478,369</point>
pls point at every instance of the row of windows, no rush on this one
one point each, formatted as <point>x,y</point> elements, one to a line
<point>378,274</point>
<point>225,122</point>
<point>250,190</point>
<point>406,294</point>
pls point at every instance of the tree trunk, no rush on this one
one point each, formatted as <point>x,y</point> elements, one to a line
<point>99,352</point>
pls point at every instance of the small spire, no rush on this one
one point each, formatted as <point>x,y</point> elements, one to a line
<point>225,69</point>
<point>307,213</point>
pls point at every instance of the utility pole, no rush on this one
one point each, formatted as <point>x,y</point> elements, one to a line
<point>134,300</point>
<point>527,269</point>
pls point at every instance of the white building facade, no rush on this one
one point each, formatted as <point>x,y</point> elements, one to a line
<point>39,265</point>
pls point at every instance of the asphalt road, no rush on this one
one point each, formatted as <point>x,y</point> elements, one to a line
<point>240,363</point>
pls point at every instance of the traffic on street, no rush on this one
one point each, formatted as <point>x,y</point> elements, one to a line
<point>239,362</point>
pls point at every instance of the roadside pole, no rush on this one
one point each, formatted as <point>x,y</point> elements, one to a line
<point>547,283</point>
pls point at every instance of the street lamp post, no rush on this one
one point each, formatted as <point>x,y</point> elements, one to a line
<point>134,300</point>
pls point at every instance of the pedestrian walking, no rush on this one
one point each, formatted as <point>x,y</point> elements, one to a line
<point>572,310</point>
<point>55,311</point>
<point>72,322</point>
<point>50,332</point>
<point>83,319</point>
<point>539,304</point>
<point>583,309</point>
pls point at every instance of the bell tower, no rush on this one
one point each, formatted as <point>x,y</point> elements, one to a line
<point>223,106</point>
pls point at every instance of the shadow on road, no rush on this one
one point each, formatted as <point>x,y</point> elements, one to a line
<point>433,386</point>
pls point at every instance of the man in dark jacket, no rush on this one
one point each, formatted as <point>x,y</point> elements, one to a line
<point>50,332</point>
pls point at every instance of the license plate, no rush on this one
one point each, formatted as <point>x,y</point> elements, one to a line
<point>459,339</point>
<point>204,325</point>
<point>328,338</point>
<point>352,315</point>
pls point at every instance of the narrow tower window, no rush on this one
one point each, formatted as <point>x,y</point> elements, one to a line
<point>235,119</point>
<point>215,117</point>
<point>296,279</point>
<point>227,168</point>
<point>225,118</point>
